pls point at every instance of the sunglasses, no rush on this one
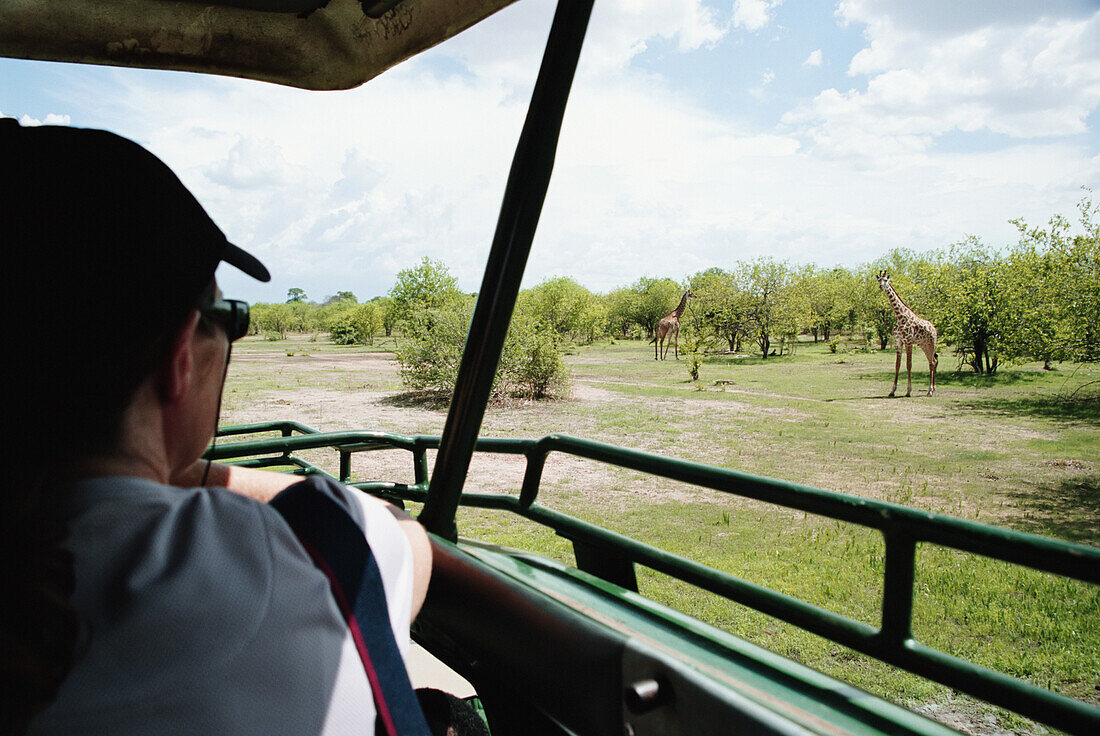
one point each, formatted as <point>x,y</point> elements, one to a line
<point>231,315</point>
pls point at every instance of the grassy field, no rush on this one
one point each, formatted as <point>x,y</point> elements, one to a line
<point>1010,449</point>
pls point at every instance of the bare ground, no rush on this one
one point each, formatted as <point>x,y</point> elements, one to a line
<point>376,403</point>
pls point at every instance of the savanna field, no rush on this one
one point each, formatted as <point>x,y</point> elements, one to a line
<point>1019,448</point>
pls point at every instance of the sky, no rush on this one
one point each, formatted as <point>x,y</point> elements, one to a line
<point>698,134</point>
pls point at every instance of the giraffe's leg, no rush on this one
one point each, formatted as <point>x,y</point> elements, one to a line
<point>676,345</point>
<point>935,367</point>
<point>933,361</point>
<point>909,369</point>
<point>897,369</point>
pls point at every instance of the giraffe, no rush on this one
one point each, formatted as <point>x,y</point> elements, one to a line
<point>910,330</point>
<point>669,327</point>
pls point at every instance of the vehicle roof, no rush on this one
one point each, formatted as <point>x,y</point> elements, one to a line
<point>313,44</point>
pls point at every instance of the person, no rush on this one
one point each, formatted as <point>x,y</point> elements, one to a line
<point>148,590</point>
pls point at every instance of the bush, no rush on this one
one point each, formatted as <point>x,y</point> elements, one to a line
<point>692,351</point>
<point>430,353</point>
<point>357,324</point>
<point>694,361</point>
<point>530,365</point>
<point>344,331</point>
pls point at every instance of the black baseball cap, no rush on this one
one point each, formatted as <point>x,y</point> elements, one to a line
<point>100,225</point>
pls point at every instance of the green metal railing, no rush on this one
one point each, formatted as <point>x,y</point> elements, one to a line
<point>613,556</point>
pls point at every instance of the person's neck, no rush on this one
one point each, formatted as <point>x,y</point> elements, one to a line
<point>141,451</point>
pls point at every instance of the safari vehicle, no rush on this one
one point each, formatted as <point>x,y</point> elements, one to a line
<point>551,648</point>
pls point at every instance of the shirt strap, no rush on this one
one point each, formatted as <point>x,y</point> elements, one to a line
<point>339,549</point>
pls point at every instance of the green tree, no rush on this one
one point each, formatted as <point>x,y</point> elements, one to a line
<point>721,312</point>
<point>304,316</point>
<point>559,304</point>
<point>340,297</point>
<point>295,295</point>
<point>976,312</point>
<point>831,294</point>
<point>1054,284</point>
<point>621,308</point>
<point>274,319</point>
<point>424,288</point>
<point>655,299</point>
<point>774,307</point>
<point>388,312</point>
<point>592,318</point>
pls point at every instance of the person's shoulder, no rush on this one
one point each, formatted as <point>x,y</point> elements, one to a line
<point>139,502</point>
<point>347,499</point>
<point>183,555</point>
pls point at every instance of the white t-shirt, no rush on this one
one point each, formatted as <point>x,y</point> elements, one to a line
<point>201,613</point>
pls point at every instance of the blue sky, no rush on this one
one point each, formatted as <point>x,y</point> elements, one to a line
<point>698,134</point>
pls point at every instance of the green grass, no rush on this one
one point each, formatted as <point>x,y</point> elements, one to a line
<point>1008,449</point>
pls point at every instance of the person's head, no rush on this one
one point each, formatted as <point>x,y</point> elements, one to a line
<point>109,261</point>
<point>108,255</point>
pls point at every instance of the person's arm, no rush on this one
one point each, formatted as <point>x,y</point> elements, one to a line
<point>264,485</point>
<point>261,485</point>
<point>421,554</point>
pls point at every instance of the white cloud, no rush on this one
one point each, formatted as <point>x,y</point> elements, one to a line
<point>752,15</point>
<point>250,163</point>
<point>991,68</point>
<point>814,59</point>
<point>620,29</point>
<point>940,19</point>
<point>51,119</point>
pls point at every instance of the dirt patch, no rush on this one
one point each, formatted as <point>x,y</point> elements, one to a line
<point>589,392</point>
<point>371,397</point>
<point>974,720</point>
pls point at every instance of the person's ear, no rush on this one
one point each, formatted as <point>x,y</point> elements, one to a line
<point>178,369</point>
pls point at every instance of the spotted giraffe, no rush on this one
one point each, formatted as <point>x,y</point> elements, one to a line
<point>669,327</point>
<point>910,330</point>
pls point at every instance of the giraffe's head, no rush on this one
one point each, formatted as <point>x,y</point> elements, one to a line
<point>883,279</point>
<point>690,294</point>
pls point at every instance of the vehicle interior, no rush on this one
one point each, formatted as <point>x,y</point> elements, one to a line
<point>553,648</point>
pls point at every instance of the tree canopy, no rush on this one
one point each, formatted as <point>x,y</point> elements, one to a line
<point>1038,298</point>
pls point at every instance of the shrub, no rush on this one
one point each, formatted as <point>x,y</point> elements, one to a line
<point>530,365</point>
<point>694,361</point>
<point>344,331</point>
<point>356,324</point>
<point>430,353</point>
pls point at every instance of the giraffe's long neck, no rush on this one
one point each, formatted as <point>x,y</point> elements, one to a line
<point>900,310</point>
<point>683,305</point>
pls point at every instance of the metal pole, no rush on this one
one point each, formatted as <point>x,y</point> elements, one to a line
<point>519,216</point>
